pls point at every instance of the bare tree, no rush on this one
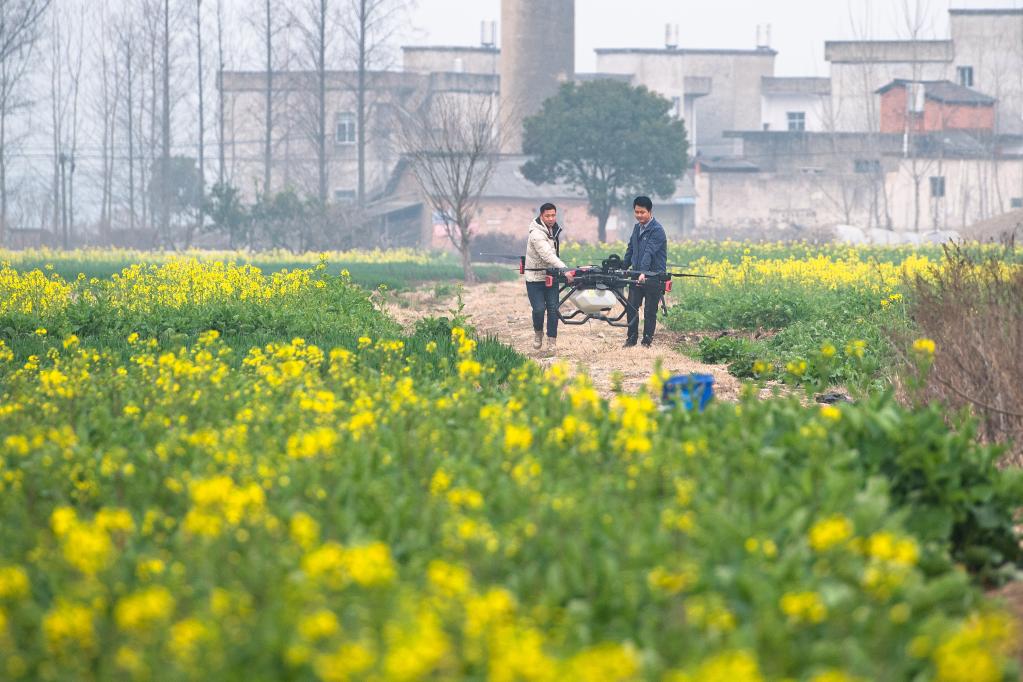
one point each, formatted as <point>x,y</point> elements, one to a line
<point>272,25</point>
<point>20,22</point>
<point>165,129</point>
<point>451,148</point>
<point>201,179</point>
<point>221,161</point>
<point>105,106</point>
<point>369,26</point>
<point>127,47</point>
<point>315,30</point>
<point>316,25</point>
<point>67,40</point>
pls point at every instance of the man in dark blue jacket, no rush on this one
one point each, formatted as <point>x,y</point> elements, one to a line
<point>648,253</point>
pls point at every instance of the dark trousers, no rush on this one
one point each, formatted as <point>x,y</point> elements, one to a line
<point>543,298</point>
<point>648,295</point>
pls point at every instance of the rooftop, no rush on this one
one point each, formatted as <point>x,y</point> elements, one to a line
<point>888,51</point>
<point>758,52</point>
<point>987,12</point>
<point>771,85</point>
<point>507,182</point>
<point>449,48</point>
<point>946,92</point>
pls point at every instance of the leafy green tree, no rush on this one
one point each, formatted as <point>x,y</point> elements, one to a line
<point>226,211</point>
<point>179,192</point>
<point>608,139</point>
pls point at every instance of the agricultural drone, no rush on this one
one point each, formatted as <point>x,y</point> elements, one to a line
<point>595,290</point>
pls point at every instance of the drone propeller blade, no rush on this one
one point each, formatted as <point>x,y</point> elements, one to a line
<point>689,274</point>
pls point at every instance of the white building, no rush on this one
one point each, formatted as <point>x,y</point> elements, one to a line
<point>795,104</point>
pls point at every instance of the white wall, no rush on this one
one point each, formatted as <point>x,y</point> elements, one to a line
<point>775,108</point>
<point>854,99</point>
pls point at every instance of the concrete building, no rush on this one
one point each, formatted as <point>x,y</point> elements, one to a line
<point>932,106</point>
<point>538,55</point>
<point>294,158</point>
<point>989,58</point>
<point>795,104</point>
<point>425,59</point>
<point>713,90</point>
<point>860,68</point>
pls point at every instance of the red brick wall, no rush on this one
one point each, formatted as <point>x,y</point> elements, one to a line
<point>936,116</point>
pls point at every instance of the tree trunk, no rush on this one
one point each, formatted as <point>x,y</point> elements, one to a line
<point>201,194</point>
<point>464,250</point>
<point>3,173</point>
<point>220,99</point>
<point>603,213</point>
<point>360,124</point>
<point>321,131</point>
<point>268,105</point>
<point>131,139</point>
<point>165,136</point>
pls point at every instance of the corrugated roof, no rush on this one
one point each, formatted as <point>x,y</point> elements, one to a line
<point>771,85</point>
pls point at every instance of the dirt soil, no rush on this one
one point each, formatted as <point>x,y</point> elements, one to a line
<point>502,310</point>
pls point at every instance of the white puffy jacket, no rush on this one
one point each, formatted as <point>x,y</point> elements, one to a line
<point>541,251</point>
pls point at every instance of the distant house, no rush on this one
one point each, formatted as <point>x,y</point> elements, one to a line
<point>795,104</point>
<point>510,201</point>
<point>934,106</point>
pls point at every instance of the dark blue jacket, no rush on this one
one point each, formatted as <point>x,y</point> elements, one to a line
<point>648,249</point>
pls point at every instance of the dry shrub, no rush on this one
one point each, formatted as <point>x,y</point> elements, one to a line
<point>973,309</point>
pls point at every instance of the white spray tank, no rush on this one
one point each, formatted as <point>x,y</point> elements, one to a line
<point>593,301</point>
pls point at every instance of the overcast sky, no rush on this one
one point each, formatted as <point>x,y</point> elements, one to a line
<point>799,27</point>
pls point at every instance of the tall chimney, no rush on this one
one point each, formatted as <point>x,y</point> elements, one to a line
<point>671,36</point>
<point>537,56</point>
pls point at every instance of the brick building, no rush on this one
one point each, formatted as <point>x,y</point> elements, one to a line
<point>933,106</point>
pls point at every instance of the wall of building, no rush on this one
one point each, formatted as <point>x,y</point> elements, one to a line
<point>975,189</point>
<point>860,69</point>
<point>294,150</point>
<point>766,200</point>
<point>538,47</point>
<point>775,109</point>
<point>485,60</point>
<point>991,42</point>
<point>936,115</point>
<point>734,99</point>
<point>509,220</point>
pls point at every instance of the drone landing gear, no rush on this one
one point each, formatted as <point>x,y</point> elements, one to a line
<point>579,317</point>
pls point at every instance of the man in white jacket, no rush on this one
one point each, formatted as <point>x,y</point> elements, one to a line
<point>542,251</point>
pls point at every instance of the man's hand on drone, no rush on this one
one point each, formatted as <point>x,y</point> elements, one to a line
<point>641,278</point>
<point>570,276</point>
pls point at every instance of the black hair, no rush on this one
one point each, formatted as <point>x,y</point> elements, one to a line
<point>548,207</point>
<point>644,202</point>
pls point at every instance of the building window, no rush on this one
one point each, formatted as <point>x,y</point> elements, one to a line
<point>344,128</point>
<point>965,74</point>
<point>1016,202</point>
<point>867,166</point>
<point>938,187</point>
<point>797,121</point>
<point>344,196</point>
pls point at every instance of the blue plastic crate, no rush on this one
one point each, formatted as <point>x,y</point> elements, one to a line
<point>689,390</point>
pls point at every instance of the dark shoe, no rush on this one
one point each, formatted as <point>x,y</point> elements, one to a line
<point>629,343</point>
<point>647,343</point>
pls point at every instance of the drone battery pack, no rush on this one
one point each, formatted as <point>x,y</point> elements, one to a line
<point>667,287</point>
<point>593,301</point>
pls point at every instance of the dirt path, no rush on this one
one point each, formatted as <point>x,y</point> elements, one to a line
<point>502,310</point>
